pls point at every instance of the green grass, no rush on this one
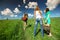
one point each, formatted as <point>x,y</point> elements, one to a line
<point>13,30</point>
<point>55,30</point>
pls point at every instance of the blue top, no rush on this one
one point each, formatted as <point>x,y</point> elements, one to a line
<point>47,18</point>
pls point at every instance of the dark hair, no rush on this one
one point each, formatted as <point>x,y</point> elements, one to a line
<point>26,14</point>
<point>47,9</point>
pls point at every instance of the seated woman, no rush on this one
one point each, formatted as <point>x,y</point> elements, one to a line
<point>47,21</point>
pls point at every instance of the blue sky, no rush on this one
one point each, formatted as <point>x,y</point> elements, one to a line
<point>12,4</point>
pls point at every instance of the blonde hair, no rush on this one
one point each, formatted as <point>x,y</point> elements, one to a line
<point>37,8</point>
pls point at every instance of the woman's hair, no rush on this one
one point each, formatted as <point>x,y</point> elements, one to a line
<point>26,14</point>
<point>47,9</point>
<point>37,8</point>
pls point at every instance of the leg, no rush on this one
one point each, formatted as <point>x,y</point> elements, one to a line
<point>26,22</point>
<point>41,25</point>
<point>24,25</point>
<point>48,31</point>
<point>36,24</point>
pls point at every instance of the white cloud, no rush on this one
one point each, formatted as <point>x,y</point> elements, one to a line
<point>31,5</point>
<point>16,10</point>
<point>19,5</point>
<point>52,4</point>
<point>26,7</point>
<point>15,15</point>
<point>6,11</point>
<point>12,15</point>
<point>24,1</point>
<point>30,15</point>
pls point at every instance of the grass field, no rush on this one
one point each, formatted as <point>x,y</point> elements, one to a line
<point>13,30</point>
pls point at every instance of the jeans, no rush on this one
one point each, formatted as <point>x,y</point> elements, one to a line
<point>36,24</point>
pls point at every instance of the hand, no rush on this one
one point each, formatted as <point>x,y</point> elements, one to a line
<point>45,22</point>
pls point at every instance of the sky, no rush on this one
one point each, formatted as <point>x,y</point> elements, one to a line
<point>14,9</point>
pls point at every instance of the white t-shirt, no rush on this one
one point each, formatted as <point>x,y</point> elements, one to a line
<point>38,16</point>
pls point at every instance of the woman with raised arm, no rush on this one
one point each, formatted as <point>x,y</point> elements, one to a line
<point>38,18</point>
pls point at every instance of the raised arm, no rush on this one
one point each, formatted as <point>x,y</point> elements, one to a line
<point>40,13</point>
<point>41,16</point>
<point>34,14</point>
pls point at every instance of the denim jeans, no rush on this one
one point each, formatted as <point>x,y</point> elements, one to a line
<point>36,24</point>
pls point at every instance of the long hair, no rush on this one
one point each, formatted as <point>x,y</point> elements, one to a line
<point>47,9</point>
<point>37,8</point>
<point>26,15</point>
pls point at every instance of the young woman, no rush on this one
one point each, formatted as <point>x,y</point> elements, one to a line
<point>38,18</point>
<point>25,18</point>
<point>47,21</point>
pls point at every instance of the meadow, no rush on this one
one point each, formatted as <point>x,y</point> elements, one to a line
<point>13,30</point>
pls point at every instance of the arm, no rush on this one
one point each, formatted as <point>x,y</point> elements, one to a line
<point>41,16</point>
<point>47,17</point>
<point>34,14</point>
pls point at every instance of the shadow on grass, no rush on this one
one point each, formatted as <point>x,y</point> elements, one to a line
<point>28,26</point>
<point>40,31</point>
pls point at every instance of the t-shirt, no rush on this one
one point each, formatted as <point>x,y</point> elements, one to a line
<point>48,13</point>
<point>47,18</point>
<point>38,16</point>
<point>24,19</point>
